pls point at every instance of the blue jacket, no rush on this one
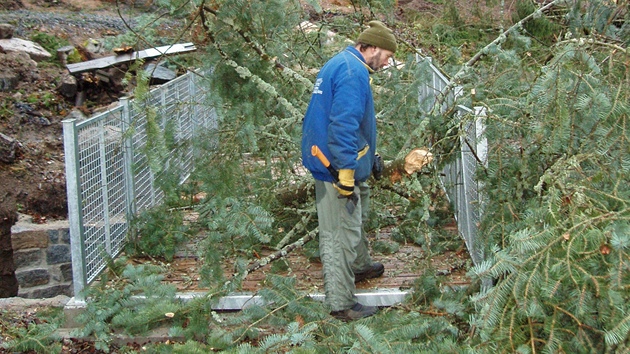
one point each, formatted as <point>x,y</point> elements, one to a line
<point>340,118</point>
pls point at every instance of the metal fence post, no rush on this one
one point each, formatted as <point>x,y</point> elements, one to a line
<point>128,159</point>
<point>192,112</point>
<point>192,89</point>
<point>75,218</point>
<point>104,188</point>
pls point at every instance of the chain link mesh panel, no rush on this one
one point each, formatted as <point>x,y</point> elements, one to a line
<point>459,180</point>
<point>109,174</point>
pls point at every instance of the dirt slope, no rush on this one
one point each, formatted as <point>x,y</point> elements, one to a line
<point>34,183</point>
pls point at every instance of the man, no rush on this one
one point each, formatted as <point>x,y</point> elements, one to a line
<point>341,122</point>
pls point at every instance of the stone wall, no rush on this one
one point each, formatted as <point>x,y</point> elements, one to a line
<point>8,282</point>
<point>42,257</point>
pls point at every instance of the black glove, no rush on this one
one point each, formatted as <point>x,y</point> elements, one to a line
<point>378,167</point>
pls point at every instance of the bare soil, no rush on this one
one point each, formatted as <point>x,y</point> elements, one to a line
<point>34,183</point>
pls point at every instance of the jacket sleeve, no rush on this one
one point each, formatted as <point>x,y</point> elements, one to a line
<point>347,111</point>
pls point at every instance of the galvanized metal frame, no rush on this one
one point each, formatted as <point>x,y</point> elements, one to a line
<point>107,173</point>
<point>459,180</point>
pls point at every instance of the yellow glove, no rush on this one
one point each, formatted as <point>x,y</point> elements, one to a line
<point>345,186</point>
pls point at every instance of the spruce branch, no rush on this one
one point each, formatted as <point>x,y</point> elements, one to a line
<point>609,216</point>
<point>143,38</point>
<point>570,264</point>
<point>429,312</point>
<point>467,67</point>
<point>265,317</point>
<point>592,41</point>
<point>473,151</point>
<point>616,334</point>
<point>245,73</point>
<point>255,46</point>
<point>264,86</point>
<point>500,39</point>
<point>536,14</point>
<point>579,323</point>
<point>261,52</point>
<point>301,226</point>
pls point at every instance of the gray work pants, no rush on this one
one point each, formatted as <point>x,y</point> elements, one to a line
<point>343,247</point>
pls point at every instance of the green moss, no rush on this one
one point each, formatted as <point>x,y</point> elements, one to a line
<point>49,42</point>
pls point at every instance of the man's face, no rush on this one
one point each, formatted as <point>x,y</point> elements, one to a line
<point>378,58</point>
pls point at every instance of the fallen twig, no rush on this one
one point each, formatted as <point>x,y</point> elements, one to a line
<point>282,252</point>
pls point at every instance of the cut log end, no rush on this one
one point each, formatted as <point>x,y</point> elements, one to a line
<point>417,159</point>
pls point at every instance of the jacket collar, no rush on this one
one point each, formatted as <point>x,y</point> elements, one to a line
<point>355,53</point>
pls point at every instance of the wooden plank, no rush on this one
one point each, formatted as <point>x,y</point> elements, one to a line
<point>401,270</point>
<point>105,62</point>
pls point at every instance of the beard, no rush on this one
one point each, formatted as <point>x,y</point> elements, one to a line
<point>375,61</point>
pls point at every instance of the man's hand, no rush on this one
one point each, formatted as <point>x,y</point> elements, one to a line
<point>345,186</point>
<point>378,167</point>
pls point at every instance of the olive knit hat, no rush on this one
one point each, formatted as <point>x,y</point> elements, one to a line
<point>379,36</point>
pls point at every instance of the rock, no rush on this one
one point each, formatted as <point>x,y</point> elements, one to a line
<point>11,5</point>
<point>21,303</point>
<point>29,239</point>
<point>57,254</point>
<point>28,257</point>
<point>159,74</point>
<point>94,46</point>
<point>61,236</point>
<point>63,53</point>
<point>76,114</point>
<point>66,271</point>
<point>68,85</point>
<point>8,79</point>
<point>109,107</point>
<point>21,64</point>
<point>6,31</point>
<point>32,116</point>
<point>117,76</point>
<point>33,277</point>
<point>34,50</point>
<point>8,148</point>
<point>38,120</point>
<point>55,290</point>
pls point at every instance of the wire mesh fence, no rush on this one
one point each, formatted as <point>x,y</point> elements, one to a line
<point>109,172</point>
<point>463,189</point>
<point>459,180</point>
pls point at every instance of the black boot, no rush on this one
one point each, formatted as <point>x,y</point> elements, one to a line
<point>356,312</point>
<point>375,271</point>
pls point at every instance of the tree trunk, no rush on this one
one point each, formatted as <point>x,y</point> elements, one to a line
<point>8,281</point>
<point>415,160</point>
